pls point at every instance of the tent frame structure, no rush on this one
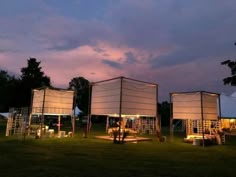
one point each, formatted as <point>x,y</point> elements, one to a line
<point>41,113</point>
<point>16,121</point>
<point>120,106</point>
<point>189,122</point>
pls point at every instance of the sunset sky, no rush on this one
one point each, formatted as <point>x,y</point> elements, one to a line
<point>178,44</point>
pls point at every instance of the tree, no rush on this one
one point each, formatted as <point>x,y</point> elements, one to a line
<point>232,65</point>
<point>230,80</point>
<point>4,79</point>
<point>81,86</point>
<point>164,112</point>
<point>8,90</point>
<point>32,77</point>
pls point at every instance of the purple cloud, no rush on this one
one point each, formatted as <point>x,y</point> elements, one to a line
<point>177,44</point>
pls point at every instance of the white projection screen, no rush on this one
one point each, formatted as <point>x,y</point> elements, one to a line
<point>106,97</point>
<point>210,106</point>
<point>129,96</point>
<point>139,98</point>
<point>52,101</point>
<point>190,106</point>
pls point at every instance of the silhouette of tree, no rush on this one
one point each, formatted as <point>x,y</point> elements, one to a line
<point>32,77</point>
<point>81,86</point>
<point>230,80</point>
<point>232,65</point>
<point>164,112</point>
<point>8,90</point>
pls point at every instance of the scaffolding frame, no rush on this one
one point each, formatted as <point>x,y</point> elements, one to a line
<point>17,121</point>
<point>124,97</point>
<point>200,125</point>
<point>48,101</point>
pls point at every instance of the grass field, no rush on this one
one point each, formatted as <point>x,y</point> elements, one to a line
<point>91,157</point>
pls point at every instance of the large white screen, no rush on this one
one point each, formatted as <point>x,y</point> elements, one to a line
<point>139,98</point>
<point>210,106</point>
<point>186,106</point>
<point>125,95</point>
<point>106,98</point>
<point>37,105</point>
<point>52,102</point>
<point>195,105</point>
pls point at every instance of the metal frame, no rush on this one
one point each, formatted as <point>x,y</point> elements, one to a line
<point>120,106</point>
<point>202,116</point>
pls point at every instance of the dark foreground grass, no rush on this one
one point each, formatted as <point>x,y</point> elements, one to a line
<point>90,157</point>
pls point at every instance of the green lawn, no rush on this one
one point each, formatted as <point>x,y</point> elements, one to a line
<point>92,157</point>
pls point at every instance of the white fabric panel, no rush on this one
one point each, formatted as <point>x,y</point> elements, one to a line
<point>56,102</point>
<point>209,97</point>
<point>137,98</point>
<point>139,93</point>
<point>210,116</point>
<point>143,112</point>
<point>106,98</point>
<point>102,105</point>
<point>37,104</point>
<point>184,116</point>
<point>193,110</point>
<point>210,106</point>
<point>186,97</point>
<point>106,111</point>
<point>138,106</point>
<point>139,89</point>
<point>107,95</point>
<point>186,106</point>
<point>209,110</point>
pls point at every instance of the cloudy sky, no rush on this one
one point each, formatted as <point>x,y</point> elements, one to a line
<point>178,44</point>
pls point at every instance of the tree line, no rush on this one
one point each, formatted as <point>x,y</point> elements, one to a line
<point>17,91</point>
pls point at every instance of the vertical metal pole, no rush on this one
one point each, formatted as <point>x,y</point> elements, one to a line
<point>219,106</point>
<point>120,109</point>
<point>154,124</point>
<point>157,119</point>
<point>171,119</point>
<point>187,122</point>
<point>44,95</point>
<point>73,118</point>
<point>203,133</point>
<point>89,111</point>
<point>42,118</point>
<point>219,118</point>
<point>59,124</point>
<point>107,123</point>
<point>30,112</point>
